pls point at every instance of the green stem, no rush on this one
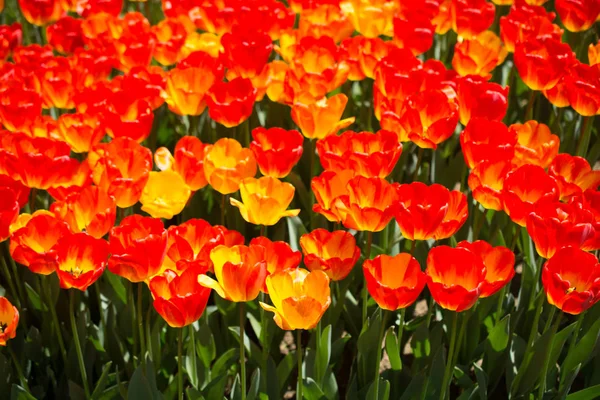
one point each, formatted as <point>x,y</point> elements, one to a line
<point>242,350</point>
<point>22,378</point>
<point>400,333</point>
<point>501,296</point>
<point>223,209</point>
<point>312,148</point>
<point>530,103</point>
<point>461,333</point>
<point>515,237</point>
<point>263,331</point>
<point>299,356</point>
<point>13,290</point>
<point>32,199</point>
<point>479,221</point>
<point>193,344</point>
<point>99,301</point>
<point>555,327</point>
<point>61,342</point>
<point>78,344</point>
<point>430,307</point>
<point>140,321</point>
<point>318,366</point>
<point>180,362</point>
<point>147,323</point>
<point>576,333</point>
<point>134,331</point>
<point>364,289</point>
<point>384,317</point>
<point>536,320</point>
<point>449,366</point>
<point>413,246</point>
<point>419,160</point>
<point>584,139</point>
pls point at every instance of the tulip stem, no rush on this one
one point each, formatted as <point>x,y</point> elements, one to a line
<point>134,332</point>
<point>242,351</point>
<point>263,331</point>
<point>418,166</point>
<point>61,342</point>
<point>400,332</point>
<point>11,283</point>
<point>223,209</point>
<point>32,198</point>
<point>584,138</point>
<point>555,327</point>
<point>364,289</point>
<point>140,321</point>
<point>19,369</point>
<point>413,246</point>
<point>536,320</point>
<point>530,103</point>
<point>311,160</point>
<point>451,350</point>
<point>78,344</point>
<point>299,356</point>
<point>580,319</point>
<point>384,317</point>
<point>180,363</point>
<point>501,296</point>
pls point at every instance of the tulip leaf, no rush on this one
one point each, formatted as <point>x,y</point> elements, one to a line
<point>252,349</point>
<point>206,347</point>
<point>272,380</point>
<point>384,390</point>
<point>338,347</point>
<point>18,393</point>
<point>194,394</point>
<point>330,385</point>
<point>366,354</point>
<point>530,369</point>
<point>590,393</point>
<point>559,342</point>
<point>414,388</point>
<point>392,349</point>
<point>34,298</point>
<point>284,369</point>
<point>323,354</point>
<point>436,375</point>
<point>564,391</point>
<point>101,383</point>
<point>583,350</point>
<point>312,391</point>
<point>116,285</point>
<point>495,348</point>
<point>226,360</point>
<point>481,381</point>
<point>143,384</point>
<point>254,385</point>
<point>216,388</point>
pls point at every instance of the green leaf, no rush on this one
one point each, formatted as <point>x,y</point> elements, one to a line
<point>116,283</point>
<point>366,352</point>
<point>392,349</point>
<point>273,379</point>
<point>415,388</point>
<point>564,391</point>
<point>495,348</point>
<point>323,354</point>
<point>253,351</point>
<point>254,385</point>
<point>228,358</point>
<point>558,343</point>
<point>206,349</point>
<point>191,358</point>
<point>531,368</point>
<point>34,298</point>
<point>436,375</point>
<point>384,390</point>
<point>143,384</point>
<point>194,394</point>
<point>583,350</point>
<point>18,393</point>
<point>216,388</point>
<point>101,383</point>
<point>284,369</point>
<point>586,394</point>
<point>312,391</point>
<point>481,381</point>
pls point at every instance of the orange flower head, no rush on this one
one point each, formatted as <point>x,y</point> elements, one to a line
<point>92,100</point>
<point>325,20</point>
<point>322,118</point>
<point>471,17</point>
<point>479,56</point>
<point>265,200</point>
<point>165,194</point>
<point>300,298</point>
<point>142,83</point>
<point>9,211</point>
<point>484,140</point>
<point>189,82</point>
<point>82,132</point>
<point>371,51</point>
<point>577,15</point>
<point>558,95</point>
<point>455,277</point>
<point>535,144</point>
<point>125,119</point>
<point>202,42</point>
<point>486,182</point>
<point>19,107</point>
<point>81,259</point>
<point>327,187</point>
<point>226,164</point>
<point>583,88</point>
<point>571,280</point>
<point>587,201</point>
<point>276,150</point>
<point>41,12</point>
<point>240,272</point>
<point>525,22</point>
<point>245,53</point>
<point>138,247</point>
<point>414,30</point>
<point>367,154</point>
<point>231,103</point>
<point>499,265</point>
<point>9,319</point>
<point>370,18</point>
<point>594,53</point>
<point>34,244</point>
<point>394,282</point>
<point>20,191</point>
<point>65,35</point>
<point>279,256</point>
<point>91,210</point>
<point>455,217</point>
<point>541,62</point>
<point>553,225</point>
<point>350,52</point>
<point>11,36</point>
<point>73,183</point>
<point>573,175</point>
<point>121,168</point>
<point>523,188</point>
<point>334,253</point>
<point>427,119</point>
<point>179,299</point>
<point>171,35</point>
<point>56,79</point>
<point>134,41</point>
<point>188,161</point>
<point>368,206</point>
<point>87,8</point>
<point>478,98</point>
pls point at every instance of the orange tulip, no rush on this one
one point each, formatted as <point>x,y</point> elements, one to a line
<point>327,187</point>
<point>65,35</point>
<point>478,98</point>
<point>138,247</point>
<point>19,107</point>
<point>325,20</point>
<point>370,18</point>
<point>245,53</point>
<point>454,218</point>
<point>226,164</point>
<point>20,191</point>
<point>588,201</point>
<point>188,161</point>
<point>165,194</point>
<point>276,150</point>
<point>34,244</point>
<point>41,12</point>
<point>320,119</point>
<point>577,15</point>
<point>499,265</point>
<point>350,52</point>
<point>279,255</point>
<point>573,175</point>
<point>414,30</point>
<point>484,140</point>
<point>535,144</point>
<point>231,103</point>
<point>558,95</point>
<point>180,300</point>
<point>369,205</point>
<point>240,272</point>
<point>81,260</point>
<point>486,182</point>
<point>171,34</point>
<point>523,188</point>
<point>11,37</point>
<point>143,84</point>
<point>455,277</point>
<point>594,53</point>
<point>334,253</point>
<point>525,22</point>
<point>370,53</point>
<point>571,280</point>
<point>202,42</point>
<point>265,200</point>
<point>81,132</point>
<point>9,211</point>
<point>87,8</point>
<point>123,118</point>
<point>541,62</point>
<point>91,210</point>
<point>583,88</point>
<point>300,298</point>
<point>479,56</point>
<point>471,17</point>
<point>79,179</point>
<point>121,168</point>
<point>56,79</point>
<point>427,119</point>
<point>9,319</point>
<point>394,282</point>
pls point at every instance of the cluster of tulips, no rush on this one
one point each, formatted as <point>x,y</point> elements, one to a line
<point>117,123</point>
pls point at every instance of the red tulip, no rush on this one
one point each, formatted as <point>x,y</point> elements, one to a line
<point>499,265</point>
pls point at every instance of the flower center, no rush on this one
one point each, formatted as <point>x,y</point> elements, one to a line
<point>3,327</point>
<point>76,272</point>
<point>570,290</point>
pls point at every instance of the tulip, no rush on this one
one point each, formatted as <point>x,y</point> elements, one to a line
<point>486,182</point>
<point>128,119</point>
<point>320,119</point>
<point>56,78</point>
<point>41,12</point>
<point>594,53</point>
<point>541,62</point>
<point>165,194</point>
<point>571,280</point>
<point>144,84</point>
<point>276,150</point>
<point>588,201</point>
<point>81,260</point>
<point>414,31</point>
<point>577,15</point>
<point>245,53</point>
<point>180,300</point>
<point>573,175</point>
<point>81,132</point>
<point>394,282</point>
<point>91,210</point>
<point>231,103</point>
<point>11,37</point>
<point>9,211</point>
<point>265,200</point>
<point>525,22</point>
<point>20,191</point>
<point>370,52</point>
<point>9,319</point>
<point>471,17</point>
<point>535,144</point>
<point>370,18</point>
<point>188,161</point>
<point>34,244</point>
<point>240,272</point>
<point>523,188</point>
<point>499,265</point>
<point>279,256</point>
<point>583,88</point>
<point>19,107</point>
<point>558,95</point>
<point>478,98</point>
<point>300,298</point>
<point>137,246</point>
<point>368,206</point>
<point>455,277</point>
<point>484,140</point>
<point>226,164</point>
<point>455,216</point>
<point>65,35</point>
<point>325,20</point>
<point>350,50</point>
<point>79,179</point>
<point>479,56</point>
<point>171,34</point>
<point>334,253</point>
<point>89,8</point>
